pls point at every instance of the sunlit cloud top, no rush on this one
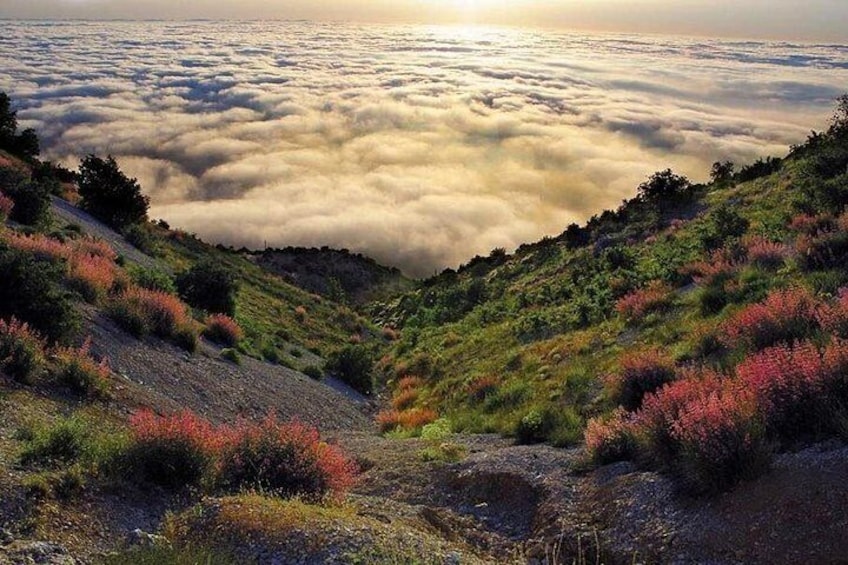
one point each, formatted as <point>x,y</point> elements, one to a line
<point>419,145</point>
<point>817,20</point>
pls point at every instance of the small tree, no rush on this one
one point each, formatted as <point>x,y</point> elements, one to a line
<point>109,194</point>
<point>664,188</point>
<point>209,286</point>
<point>722,173</point>
<point>24,144</point>
<point>839,122</point>
<point>8,122</point>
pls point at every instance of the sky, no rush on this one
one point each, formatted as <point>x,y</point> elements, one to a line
<point>814,20</point>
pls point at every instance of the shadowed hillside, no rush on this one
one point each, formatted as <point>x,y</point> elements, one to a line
<point>339,275</point>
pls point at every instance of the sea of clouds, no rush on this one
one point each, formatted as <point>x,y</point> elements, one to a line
<point>420,146</point>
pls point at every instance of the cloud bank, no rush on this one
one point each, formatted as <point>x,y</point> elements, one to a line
<point>419,146</point>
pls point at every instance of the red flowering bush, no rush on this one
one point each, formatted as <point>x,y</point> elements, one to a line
<point>6,205</point>
<point>387,420</point>
<point>222,329</point>
<point>812,225</point>
<point>653,422</point>
<point>286,459</point>
<point>783,317</point>
<point>140,311</point>
<point>798,388</point>
<point>765,253</point>
<point>410,420</point>
<point>788,383</point>
<point>720,439</point>
<point>833,317</point>
<point>611,439</point>
<point>720,267</point>
<point>404,399</point>
<point>21,350</point>
<point>170,451</point>
<point>93,276</point>
<point>634,306</point>
<point>409,382</point>
<point>76,369</point>
<point>38,245</point>
<point>94,246</point>
<point>641,374</point>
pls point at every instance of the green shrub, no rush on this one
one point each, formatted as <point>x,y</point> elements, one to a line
<point>129,316</point>
<point>353,365</point>
<point>185,337</point>
<point>231,355</point>
<point>271,354</point>
<point>313,372</point>
<point>32,202</point>
<point>152,279</point>
<point>532,428</point>
<point>66,441</point>
<point>31,291</point>
<point>142,238</point>
<point>209,286</point>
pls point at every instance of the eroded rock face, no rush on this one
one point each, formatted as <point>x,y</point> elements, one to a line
<point>35,553</point>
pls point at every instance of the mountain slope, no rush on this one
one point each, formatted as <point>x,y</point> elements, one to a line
<point>536,344</point>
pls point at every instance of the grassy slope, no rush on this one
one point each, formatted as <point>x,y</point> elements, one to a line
<point>528,337</point>
<point>266,306</point>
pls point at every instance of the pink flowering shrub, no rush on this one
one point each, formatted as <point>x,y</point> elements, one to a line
<point>93,276</point>
<point>39,245</point>
<point>720,267</point>
<point>21,350</point>
<point>788,383</point>
<point>6,205</point>
<point>170,451</point>
<point>287,459</point>
<point>833,316</point>
<point>641,374</point>
<point>784,316</point>
<point>222,329</point>
<point>612,438</point>
<point>95,247</point>
<point>653,422</point>
<point>721,440</point>
<point>765,253</point>
<point>76,369</point>
<point>140,311</point>
<point>634,306</point>
<point>812,225</point>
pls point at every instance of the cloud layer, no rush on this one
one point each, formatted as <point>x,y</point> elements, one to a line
<point>420,146</point>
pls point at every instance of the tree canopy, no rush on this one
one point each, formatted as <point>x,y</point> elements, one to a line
<point>109,194</point>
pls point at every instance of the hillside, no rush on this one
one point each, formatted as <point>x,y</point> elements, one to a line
<point>682,283</point>
<point>336,274</point>
<point>667,383</point>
